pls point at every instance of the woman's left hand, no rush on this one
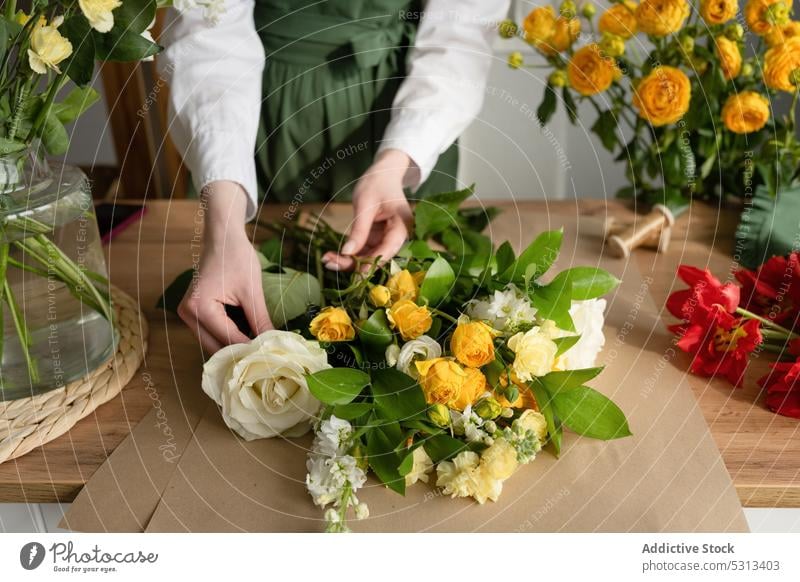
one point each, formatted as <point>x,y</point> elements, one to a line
<point>382,216</point>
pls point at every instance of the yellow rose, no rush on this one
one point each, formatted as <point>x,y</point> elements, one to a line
<point>779,34</point>
<point>99,13</point>
<point>441,380</point>
<point>718,11</point>
<point>473,344</point>
<point>332,324</point>
<point>730,57</point>
<point>472,389</point>
<point>534,351</point>
<point>404,285</point>
<point>539,25</point>
<point>780,64</point>
<point>535,421</point>
<point>48,48</point>
<point>565,32</point>
<point>590,71</point>
<point>409,319</point>
<point>661,17</point>
<point>619,20</point>
<point>662,97</point>
<point>745,112</point>
<point>380,295</point>
<point>499,460</point>
<point>762,15</point>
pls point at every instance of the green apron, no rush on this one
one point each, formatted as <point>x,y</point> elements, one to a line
<point>332,70</point>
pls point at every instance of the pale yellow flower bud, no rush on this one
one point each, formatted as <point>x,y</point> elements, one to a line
<point>439,415</point>
<point>488,408</point>
<point>557,78</point>
<point>508,29</point>
<point>735,31</point>
<point>568,9</point>
<point>588,10</point>
<point>612,45</point>
<point>515,60</point>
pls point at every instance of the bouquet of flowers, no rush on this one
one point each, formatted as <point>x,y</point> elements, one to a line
<point>455,358</point>
<point>683,96</point>
<point>723,325</point>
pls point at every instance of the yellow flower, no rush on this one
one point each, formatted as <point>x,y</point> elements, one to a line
<point>718,11</point>
<point>558,78</point>
<point>515,60</point>
<point>620,20</point>
<point>499,460</point>
<point>99,13</point>
<point>48,48</point>
<point>612,45</point>
<point>745,112</point>
<point>762,15</point>
<point>661,17</point>
<point>779,34</point>
<point>535,421</point>
<point>535,353</point>
<point>662,97</point>
<point>404,285</point>
<point>565,32</point>
<point>421,466</point>
<point>473,344</point>
<point>332,324</point>
<point>441,380</point>
<point>380,295</point>
<point>472,389</point>
<point>409,319</point>
<point>780,64</point>
<point>539,25</point>
<point>588,10</point>
<point>590,71</point>
<point>730,57</point>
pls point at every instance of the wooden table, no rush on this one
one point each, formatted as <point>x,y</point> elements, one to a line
<point>761,450</point>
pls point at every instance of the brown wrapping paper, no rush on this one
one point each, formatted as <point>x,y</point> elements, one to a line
<point>667,477</point>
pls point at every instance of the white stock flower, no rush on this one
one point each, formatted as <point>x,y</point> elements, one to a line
<point>422,348</point>
<point>333,437</point>
<point>589,318</point>
<point>469,424</point>
<point>457,477</point>
<point>392,352</point>
<point>328,476</point>
<point>506,310</point>
<point>261,385</point>
<point>421,467</point>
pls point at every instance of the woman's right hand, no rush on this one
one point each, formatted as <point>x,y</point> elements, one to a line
<point>229,273</point>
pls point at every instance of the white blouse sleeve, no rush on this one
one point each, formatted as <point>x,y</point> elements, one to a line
<point>214,73</point>
<point>446,79</point>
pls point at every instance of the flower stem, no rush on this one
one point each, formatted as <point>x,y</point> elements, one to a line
<point>744,312</point>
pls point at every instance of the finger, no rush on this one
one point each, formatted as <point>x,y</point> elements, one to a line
<point>217,322</point>
<point>394,238</point>
<point>207,341</point>
<point>362,225</point>
<point>339,263</point>
<point>255,309</point>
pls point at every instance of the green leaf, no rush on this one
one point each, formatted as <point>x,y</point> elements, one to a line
<point>553,302</point>
<point>123,46</point>
<point>442,447</point>
<point>397,395</point>
<point>406,464</point>
<point>586,282</point>
<point>174,293</point>
<point>54,136</point>
<point>384,461</point>
<point>438,282</point>
<point>544,401</point>
<point>80,65</point>
<point>547,107</point>
<point>569,105</point>
<point>75,103</point>
<point>289,294</point>
<point>589,413</point>
<point>504,256</point>
<point>565,343</point>
<point>375,333</point>
<point>434,214</point>
<point>352,411</point>
<point>419,249</point>
<point>605,127</point>
<point>337,385</point>
<point>542,253</point>
<point>8,146</point>
<point>134,15</point>
<point>562,380</point>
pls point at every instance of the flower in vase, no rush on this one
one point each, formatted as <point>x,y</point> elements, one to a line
<point>783,388</point>
<point>590,71</point>
<point>745,112</point>
<point>773,291</point>
<point>661,17</point>
<point>729,55</point>
<point>721,344</point>
<point>332,324</point>
<point>662,97</point>
<point>705,291</point>
<point>99,13</point>
<point>781,65</point>
<point>619,20</point>
<point>718,11</point>
<point>48,48</point>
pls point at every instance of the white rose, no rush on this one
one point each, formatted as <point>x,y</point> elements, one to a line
<point>261,385</point>
<point>589,320</point>
<point>535,352</point>
<point>422,348</point>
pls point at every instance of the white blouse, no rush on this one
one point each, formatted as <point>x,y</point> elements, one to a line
<point>214,73</point>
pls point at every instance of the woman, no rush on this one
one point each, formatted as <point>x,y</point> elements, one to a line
<point>358,98</point>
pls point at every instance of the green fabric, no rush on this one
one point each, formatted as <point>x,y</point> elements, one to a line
<point>768,227</point>
<point>332,71</point>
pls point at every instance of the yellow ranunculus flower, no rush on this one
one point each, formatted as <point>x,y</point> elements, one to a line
<point>99,13</point>
<point>539,25</point>
<point>590,72</point>
<point>332,324</point>
<point>409,319</point>
<point>730,57</point>
<point>565,32</point>
<point>760,15</point>
<point>380,295</point>
<point>620,20</point>
<point>441,380</point>
<point>534,353</point>
<point>780,62</point>
<point>662,97</point>
<point>473,344</point>
<point>718,11</point>
<point>48,49</point>
<point>779,34</point>
<point>472,389</point>
<point>661,17</point>
<point>499,460</point>
<point>745,112</point>
<point>612,45</point>
<point>403,285</point>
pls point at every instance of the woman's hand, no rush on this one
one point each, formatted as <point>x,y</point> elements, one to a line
<point>229,273</point>
<point>383,217</point>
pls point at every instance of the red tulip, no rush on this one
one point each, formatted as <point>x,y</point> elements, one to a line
<point>773,291</point>
<point>704,292</point>
<point>783,388</point>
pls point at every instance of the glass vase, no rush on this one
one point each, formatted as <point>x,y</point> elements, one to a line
<point>55,306</point>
